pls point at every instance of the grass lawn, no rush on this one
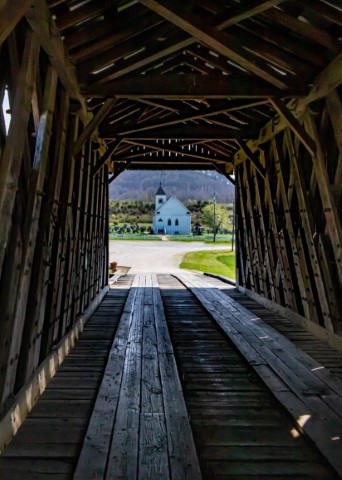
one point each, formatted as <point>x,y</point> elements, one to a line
<point>221,262</point>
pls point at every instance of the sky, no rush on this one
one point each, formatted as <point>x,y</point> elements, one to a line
<point>5,106</point>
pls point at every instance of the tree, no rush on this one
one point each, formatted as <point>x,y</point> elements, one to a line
<point>221,216</point>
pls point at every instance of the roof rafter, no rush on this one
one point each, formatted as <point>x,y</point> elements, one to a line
<point>221,42</point>
<point>190,87</point>
<point>38,17</point>
<point>11,11</point>
<point>173,149</point>
<point>242,12</point>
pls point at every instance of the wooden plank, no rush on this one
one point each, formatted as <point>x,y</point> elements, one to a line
<point>153,452</point>
<point>307,222</point>
<point>11,157</point>
<point>326,82</point>
<point>94,123</point>
<point>93,457</point>
<point>309,309</point>
<point>295,126</point>
<point>252,157</point>
<point>329,206</point>
<point>182,453</point>
<point>334,108</point>
<point>242,12</point>
<point>31,226</point>
<point>28,395</point>
<point>193,86</point>
<point>321,428</point>
<point>42,24</point>
<point>124,448</point>
<point>221,42</point>
<point>11,12</point>
<point>33,339</point>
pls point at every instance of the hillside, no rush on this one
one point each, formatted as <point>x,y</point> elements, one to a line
<point>185,185</point>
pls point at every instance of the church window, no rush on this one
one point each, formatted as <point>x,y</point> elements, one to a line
<point>176,222</point>
<point>169,221</point>
<point>160,200</point>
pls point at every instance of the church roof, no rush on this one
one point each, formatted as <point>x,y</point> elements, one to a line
<point>172,200</point>
<point>160,191</point>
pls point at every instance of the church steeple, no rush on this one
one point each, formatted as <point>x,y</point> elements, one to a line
<point>160,197</point>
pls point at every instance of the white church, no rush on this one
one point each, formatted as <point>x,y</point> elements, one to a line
<point>171,217</point>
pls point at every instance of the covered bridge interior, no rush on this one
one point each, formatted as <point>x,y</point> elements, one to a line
<point>251,89</point>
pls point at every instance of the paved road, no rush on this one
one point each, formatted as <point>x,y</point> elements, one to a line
<point>153,256</point>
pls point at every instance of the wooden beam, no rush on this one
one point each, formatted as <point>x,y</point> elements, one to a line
<point>153,52</point>
<point>304,29</point>
<point>252,157</point>
<point>10,162</point>
<point>189,116</point>
<point>242,12</point>
<point>11,11</point>
<point>334,107</point>
<point>330,209</point>
<point>111,149</point>
<point>221,42</point>
<point>31,342</point>
<point>190,87</point>
<point>30,393</point>
<point>326,82</point>
<point>294,124</point>
<point>90,128</point>
<point>40,21</point>
<point>172,149</point>
<point>208,132</point>
<point>31,226</point>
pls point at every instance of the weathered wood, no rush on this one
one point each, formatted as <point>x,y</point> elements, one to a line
<point>34,324</point>
<point>252,157</point>
<point>241,13</point>
<point>326,82</point>
<point>222,43</point>
<point>335,108</point>
<point>11,158</point>
<point>10,14</point>
<point>31,226</point>
<point>193,86</point>
<point>327,198</point>
<point>28,395</point>
<point>100,428</point>
<point>41,23</point>
<point>182,453</point>
<point>292,393</point>
<point>295,126</point>
<point>93,124</point>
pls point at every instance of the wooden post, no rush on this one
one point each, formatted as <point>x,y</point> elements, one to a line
<point>31,228</point>
<point>38,294</point>
<point>10,162</point>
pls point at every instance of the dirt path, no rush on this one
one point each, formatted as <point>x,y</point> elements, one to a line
<point>154,256</point>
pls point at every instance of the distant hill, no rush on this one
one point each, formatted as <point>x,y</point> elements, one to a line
<point>184,184</point>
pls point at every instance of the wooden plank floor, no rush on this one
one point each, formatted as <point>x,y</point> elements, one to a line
<point>139,428</point>
<point>128,417</point>
<point>306,341</point>
<point>240,430</point>
<point>48,443</point>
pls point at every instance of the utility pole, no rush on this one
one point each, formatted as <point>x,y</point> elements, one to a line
<point>233,225</point>
<point>214,199</point>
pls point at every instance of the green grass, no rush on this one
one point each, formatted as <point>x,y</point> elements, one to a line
<point>225,239</point>
<point>131,236</point>
<point>221,262</point>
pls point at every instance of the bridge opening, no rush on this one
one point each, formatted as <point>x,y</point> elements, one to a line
<point>178,210</point>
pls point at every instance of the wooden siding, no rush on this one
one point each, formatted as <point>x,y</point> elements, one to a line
<point>289,221</point>
<point>53,228</point>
